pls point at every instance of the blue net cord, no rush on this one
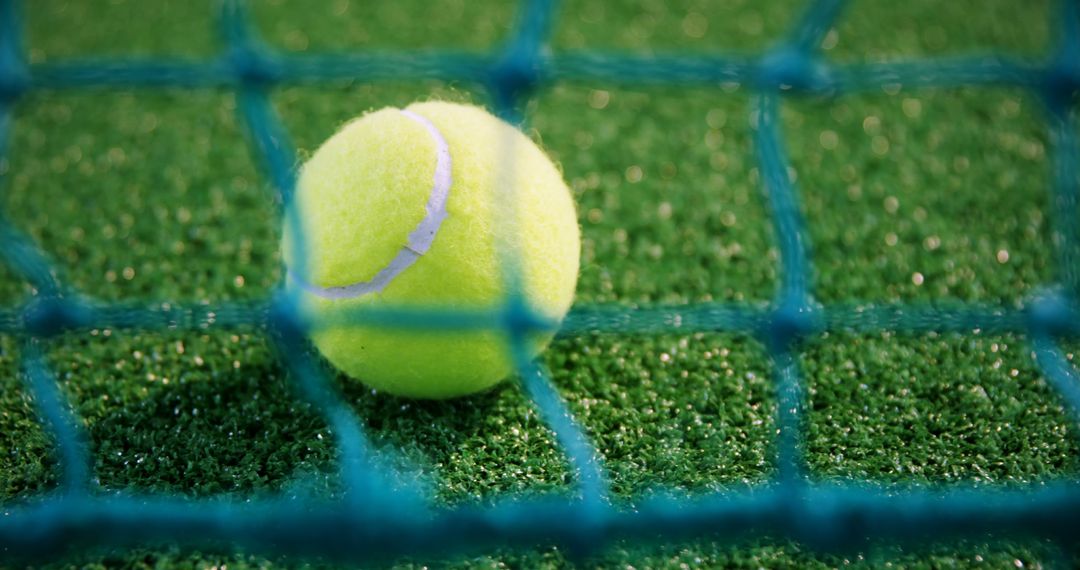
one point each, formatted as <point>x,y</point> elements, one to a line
<point>819,515</point>
<point>514,78</point>
<point>54,413</point>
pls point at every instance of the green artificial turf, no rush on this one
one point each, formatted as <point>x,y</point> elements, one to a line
<point>925,195</point>
<point>909,195</point>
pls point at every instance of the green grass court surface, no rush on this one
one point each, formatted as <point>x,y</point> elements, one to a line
<point>922,195</point>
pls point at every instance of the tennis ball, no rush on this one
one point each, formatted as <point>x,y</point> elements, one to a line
<point>401,208</point>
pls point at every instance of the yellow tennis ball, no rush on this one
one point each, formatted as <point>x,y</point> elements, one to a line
<point>400,209</point>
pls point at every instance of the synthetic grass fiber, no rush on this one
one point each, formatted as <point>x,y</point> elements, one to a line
<point>826,314</point>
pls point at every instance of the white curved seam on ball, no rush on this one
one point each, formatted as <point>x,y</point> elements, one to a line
<point>420,238</point>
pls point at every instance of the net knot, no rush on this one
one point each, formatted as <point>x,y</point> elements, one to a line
<point>789,321</point>
<point>790,69</point>
<point>282,315</point>
<point>48,316</point>
<point>518,318</point>
<point>516,74</point>
<point>832,521</point>
<point>1052,313</point>
<point>252,66</point>
<point>14,78</point>
<point>1061,84</point>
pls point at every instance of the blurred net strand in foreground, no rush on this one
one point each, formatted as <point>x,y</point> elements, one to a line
<point>819,515</point>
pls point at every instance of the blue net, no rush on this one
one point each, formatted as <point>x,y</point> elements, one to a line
<point>380,516</point>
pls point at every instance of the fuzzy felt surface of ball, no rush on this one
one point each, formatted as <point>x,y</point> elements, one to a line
<point>407,208</point>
